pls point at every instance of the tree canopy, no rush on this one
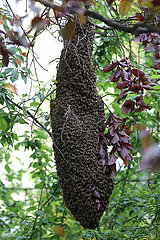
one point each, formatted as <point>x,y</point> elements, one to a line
<point>126,57</point>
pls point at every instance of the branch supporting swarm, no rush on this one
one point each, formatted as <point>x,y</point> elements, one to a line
<point>136,29</point>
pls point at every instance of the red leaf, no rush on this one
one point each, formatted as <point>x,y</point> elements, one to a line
<point>124,60</point>
<point>141,103</point>
<point>115,139</point>
<point>140,109</point>
<point>122,95</point>
<point>140,17</point>
<point>138,73</point>
<point>129,146</point>
<point>136,88</point>
<point>122,133</point>
<point>127,129</point>
<point>123,152</point>
<point>126,162</point>
<point>110,2</point>
<point>115,76</point>
<point>102,151</point>
<point>124,75</point>
<point>114,171</point>
<point>39,23</point>
<point>112,132</point>
<point>113,159</point>
<point>128,106</point>
<point>5,57</point>
<point>124,139</point>
<point>157,65</point>
<point>122,85</point>
<point>110,67</point>
<point>157,55</point>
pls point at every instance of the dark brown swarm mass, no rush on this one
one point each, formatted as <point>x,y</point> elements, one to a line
<point>77,116</point>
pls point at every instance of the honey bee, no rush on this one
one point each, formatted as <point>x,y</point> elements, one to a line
<point>85,183</point>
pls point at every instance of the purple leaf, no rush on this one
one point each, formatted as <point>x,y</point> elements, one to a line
<point>115,76</point>
<point>114,171</point>
<point>147,87</point>
<point>113,159</point>
<point>122,95</point>
<point>115,139</point>
<point>124,139</point>
<point>157,65</point>
<point>122,85</point>
<point>124,75</point>
<point>110,67</point>
<point>111,131</point>
<point>102,151</point>
<point>128,106</point>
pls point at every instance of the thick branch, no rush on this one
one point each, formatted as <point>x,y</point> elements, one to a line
<point>135,30</point>
<point>50,5</point>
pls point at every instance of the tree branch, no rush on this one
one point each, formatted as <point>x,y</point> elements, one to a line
<point>138,28</point>
<point>50,5</point>
<point>39,124</point>
<point>30,115</point>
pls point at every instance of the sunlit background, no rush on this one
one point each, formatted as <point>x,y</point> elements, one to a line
<point>47,48</point>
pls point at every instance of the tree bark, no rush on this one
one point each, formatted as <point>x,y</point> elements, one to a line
<point>78,121</point>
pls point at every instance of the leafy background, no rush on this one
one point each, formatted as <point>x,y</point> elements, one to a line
<point>31,202</point>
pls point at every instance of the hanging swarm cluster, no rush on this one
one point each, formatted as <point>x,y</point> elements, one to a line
<point>77,116</point>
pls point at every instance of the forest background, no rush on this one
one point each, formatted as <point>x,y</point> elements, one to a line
<point>126,41</point>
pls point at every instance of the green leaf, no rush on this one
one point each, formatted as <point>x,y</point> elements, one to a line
<point>116,108</point>
<point>34,104</point>
<point>138,199</point>
<point>14,76</point>
<point>155,77</point>
<point>7,156</point>
<point>156,87</point>
<point>21,121</point>
<point>26,70</point>
<point>5,25</point>
<point>141,214</point>
<point>8,169</point>
<point>3,124</point>
<point>19,50</point>
<point>45,221</point>
<point>133,96</point>
<point>21,58</point>
<point>8,70</point>
<point>24,77</point>
<point>40,213</point>
<point>54,81</point>
<point>12,50</point>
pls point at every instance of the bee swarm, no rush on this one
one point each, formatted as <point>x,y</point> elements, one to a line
<point>77,117</point>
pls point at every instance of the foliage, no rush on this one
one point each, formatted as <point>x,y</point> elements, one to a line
<point>128,68</point>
